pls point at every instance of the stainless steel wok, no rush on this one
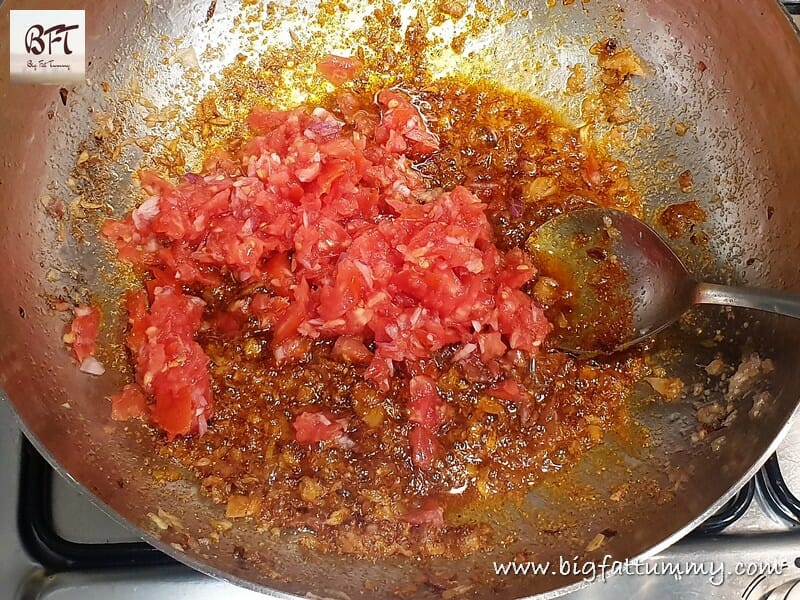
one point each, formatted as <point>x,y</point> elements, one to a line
<point>730,69</point>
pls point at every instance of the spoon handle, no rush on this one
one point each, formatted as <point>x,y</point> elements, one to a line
<point>781,303</point>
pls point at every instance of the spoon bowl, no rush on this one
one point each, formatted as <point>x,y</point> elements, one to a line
<point>620,282</point>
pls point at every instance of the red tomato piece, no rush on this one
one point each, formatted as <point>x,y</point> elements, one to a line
<point>341,297</point>
<point>269,310</point>
<point>491,345</point>
<point>278,273</point>
<point>294,315</point>
<point>173,411</point>
<point>402,126</point>
<point>509,389</point>
<point>291,350</point>
<point>425,448</point>
<point>425,405</point>
<point>83,331</point>
<point>312,427</point>
<point>517,316</point>
<point>518,269</point>
<point>170,364</point>
<point>136,305</point>
<point>338,69</point>
<point>131,403</point>
<point>430,512</point>
<point>351,349</point>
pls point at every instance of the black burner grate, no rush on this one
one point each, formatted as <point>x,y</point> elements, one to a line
<point>47,547</point>
<point>776,493</point>
<point>792,6</point>
<point>731,512</point>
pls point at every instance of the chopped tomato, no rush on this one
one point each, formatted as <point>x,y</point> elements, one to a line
<point>170,365</point>
<point>173,411</point>
<point>294,315</point>
<point>491,345</point>
<point>344,292</point>
<point>351,349</point>
<point>519,268</point>
<point>430,512</point>
<point>590,170</point>
<point>509,389</point>
<point>425,405</point>
<point>312,427</point>
<point>523,322</point>
<point>278,273</point>
<point>402,127</point>
<point>136,305</point>
<point>83,331</point>
<point>268,309</point>
<point>131,403</point>
<point>338,69</point>
<point>344,242</point>
<point>291,350</point>
<point>425,448</point>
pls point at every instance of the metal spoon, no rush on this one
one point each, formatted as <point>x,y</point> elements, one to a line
<point>619,282</point>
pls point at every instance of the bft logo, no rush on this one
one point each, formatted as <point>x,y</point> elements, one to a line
<point>57,34</point>
<point>48,46</point>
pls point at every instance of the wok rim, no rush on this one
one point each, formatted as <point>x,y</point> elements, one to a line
<point>205,568</point>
